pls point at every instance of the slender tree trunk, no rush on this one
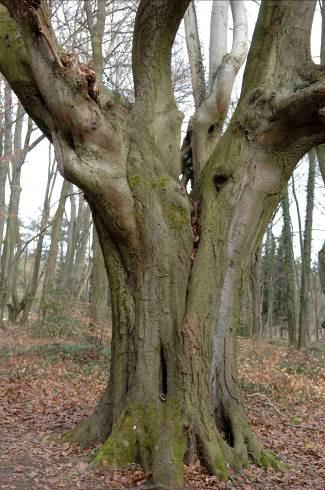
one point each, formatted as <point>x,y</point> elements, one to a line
<point>269,281</point>
<point>255,280</point>
<point>83,228</point>
<point>32,287</point>
<point>8,269</point>
<point>99,290</point>
<point>67,278</point>
<point>49,282</point>
<point>6,157</point>
<point>306,255</point>
<point>291,304</point>
<point>4,166</point>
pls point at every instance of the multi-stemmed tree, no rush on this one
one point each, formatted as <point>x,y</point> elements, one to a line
<point>177,266</point>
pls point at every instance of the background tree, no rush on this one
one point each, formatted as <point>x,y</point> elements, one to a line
<point>291,303</point>
<point>306,256</point>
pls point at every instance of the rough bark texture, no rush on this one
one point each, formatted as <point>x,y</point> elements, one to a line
<point>175,298</point>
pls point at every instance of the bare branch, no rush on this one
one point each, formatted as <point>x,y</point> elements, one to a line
<point>155,28</point>
<point>19,73</point>
<point>303,106</point>
<point>209,118</point>
<point>219,96</point>
<point>195,55</point>
<point>218,37</point>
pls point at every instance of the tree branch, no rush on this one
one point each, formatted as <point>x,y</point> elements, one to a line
<point>217,103</point>
<point>62,82</point>
<point>15,67</point>
<point>218,37</point>
<point>302,106</point>
<point>155,28</point>
<point>280,48</point>
<point>195,55</point>
<point>208,120</point>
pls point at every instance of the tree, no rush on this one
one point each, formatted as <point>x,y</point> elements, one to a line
<point>49,282</point>
<point>269,259</point>
<point>175,299</point>
<point>306,255</point>
<point>320,150</point>
<point>291,303</point>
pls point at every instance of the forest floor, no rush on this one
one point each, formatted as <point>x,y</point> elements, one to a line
<point>47,386</point>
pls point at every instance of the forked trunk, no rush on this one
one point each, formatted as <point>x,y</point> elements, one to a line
<point>175,306</point>
<point>176,291</point>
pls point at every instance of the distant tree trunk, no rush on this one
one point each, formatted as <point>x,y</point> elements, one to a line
<point>99,290</point>
<point>49,281</point>
<point>306,255</point>
<point>4,163</point>
<point>320,150</point>
<point>12,242</point>
<point>67,272</point>
<point>269,281</point>
<point>83,224</point>
<point>32,288</point>
<point>315,293</point>
<point>321,267</point>
<point>7,272</point>
<point>291,303</point>
<point>255,282</point>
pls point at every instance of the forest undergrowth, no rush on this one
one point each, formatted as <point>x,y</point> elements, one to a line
<point>48,385</point>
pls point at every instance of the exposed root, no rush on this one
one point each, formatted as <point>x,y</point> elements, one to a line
<point>152,437</point>
<point>247,447</point>
<point>213,450</point>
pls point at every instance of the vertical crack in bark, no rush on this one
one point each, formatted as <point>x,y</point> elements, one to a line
<point>163,381</point>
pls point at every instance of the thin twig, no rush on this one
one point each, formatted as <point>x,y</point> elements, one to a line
<point>268,401</point>
<point>306,427</point>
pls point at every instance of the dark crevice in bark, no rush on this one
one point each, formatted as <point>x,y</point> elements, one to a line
<point>163,374</point>
<point>224,426</point>
<point>220,180</point>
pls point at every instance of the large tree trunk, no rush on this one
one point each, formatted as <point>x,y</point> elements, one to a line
<point>175,289</point>
<point>170,342</point>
